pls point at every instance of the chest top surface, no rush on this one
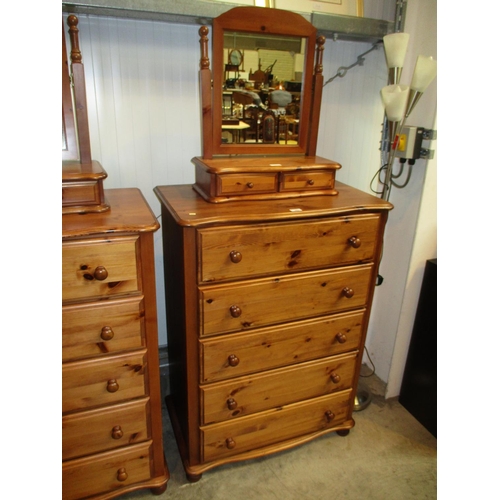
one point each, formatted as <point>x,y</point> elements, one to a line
<point>129,213</point>
<point>190,209</point>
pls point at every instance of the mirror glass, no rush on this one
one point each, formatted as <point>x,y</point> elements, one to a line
<point>260,73</point>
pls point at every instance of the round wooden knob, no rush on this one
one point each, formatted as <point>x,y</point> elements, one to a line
<point>335,378</point>
<point>100,273</point>
<point>230,443</point>
<point>231,404</point>
<point>116,432</point>
<point>107,333</point>
<point>329,415</point>
<point>233,360</point>
<point>121,474</point>
<point>235,311</point>
<point>341,338</point>
<point>112,385</point>
<point>348,292</point>
<point>310,182</point>
<point>354,241</point>
<point>249,185</point>
<point>235,256</point>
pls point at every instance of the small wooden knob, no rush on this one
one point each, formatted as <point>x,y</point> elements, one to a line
<point>121,474</point>
<point>230,443</point>
<point>348,292</point>
<point>233,360</point>
<point>112,385</point>
<point>232,404</point>
<point>354,241</point>
<point>235,311</point>
<point>100,273</point>
<point>235,256</point>
<point>335,378</point>
<point>329,415</point>
<point>249,185</point>
<point>310,182</point>
<point>107,333</point>
<point>341,338</point>
<point>116,432</point>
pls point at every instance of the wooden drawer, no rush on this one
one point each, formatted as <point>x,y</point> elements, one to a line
<point>279,346</point>
<point>81,193</point>
<point>99,268</point>
<point>307,181</point>
<point>240,184</point>
<point>247,251</point>
<point>105,429</point>
<point>102,328</point>
<point>254,393</point>
<point>103,381</point>
<point>106,472</point>
<point>273,426</point>
<point>268,301</point>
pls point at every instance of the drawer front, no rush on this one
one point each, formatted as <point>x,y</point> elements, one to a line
<point>102,328</point>
<point>99,268</point>
<point>106,472</point>
<point>254,393</point>
<point>236,184</point>
<point>258,303</point>
<point>95,431</point>
<point>239,252</point>
<point>83,193</point>
<point>244,353</point>
<point>270,427</point>
<point>308,181</point>
<point>103,381</point>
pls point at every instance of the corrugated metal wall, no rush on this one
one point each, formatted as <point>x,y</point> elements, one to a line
<point>144,112</point>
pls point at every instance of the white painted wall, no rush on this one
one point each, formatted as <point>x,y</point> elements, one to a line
<point>144,112</point>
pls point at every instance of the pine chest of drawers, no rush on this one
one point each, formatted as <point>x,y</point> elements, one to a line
<point>267,310</point>
<point>111,422</point>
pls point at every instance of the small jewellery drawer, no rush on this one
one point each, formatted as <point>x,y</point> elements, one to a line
<point>257,303</point>
<point>103,381</point>
<point>102,328</point>
<point>81,193</point>
<point>236,184</point>
<point>99,268</point>
<point>238,354</point>
<point>247,251</point>
<point>106,472</point>
<point>105,429</point>
<point>263,429</point>
<point>254,393</point>
<point>307,181</point>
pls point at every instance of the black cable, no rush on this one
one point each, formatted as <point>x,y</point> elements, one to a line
<point>373,365</point>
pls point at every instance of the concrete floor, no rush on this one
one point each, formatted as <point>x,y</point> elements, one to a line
<point>387,455</point>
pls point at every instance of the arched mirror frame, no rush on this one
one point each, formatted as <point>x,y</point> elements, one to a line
<point>272,22</point>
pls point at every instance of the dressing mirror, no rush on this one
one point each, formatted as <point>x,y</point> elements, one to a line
<point>263,63</point>
<point>260,108</point>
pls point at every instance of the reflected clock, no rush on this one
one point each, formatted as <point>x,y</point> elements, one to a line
<point>235,57</point>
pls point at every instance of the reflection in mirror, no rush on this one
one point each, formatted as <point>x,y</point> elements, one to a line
<point>261,88</point>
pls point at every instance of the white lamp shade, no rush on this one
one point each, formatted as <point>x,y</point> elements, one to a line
<point>395,98</point>
<point>425,71</point>
<point>396,45</point>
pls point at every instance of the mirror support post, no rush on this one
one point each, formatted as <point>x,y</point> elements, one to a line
<point>316,97</point>
<point>80,96</point>
<point>206,94</point>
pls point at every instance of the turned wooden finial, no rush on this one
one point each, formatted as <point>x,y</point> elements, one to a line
<point>320,42</point>
<point>76,55</point>
<point>204,61</point>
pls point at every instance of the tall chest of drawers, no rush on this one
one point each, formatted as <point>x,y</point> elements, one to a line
<point>111,422</point>
<point>267,311</point>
